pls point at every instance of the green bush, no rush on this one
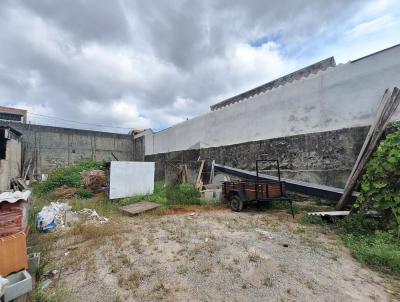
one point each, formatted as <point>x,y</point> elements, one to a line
<point>358,224</point>
<point>84,193</point>
<point>183,194</point>
<point>67,176</point>
<point>380,186</point>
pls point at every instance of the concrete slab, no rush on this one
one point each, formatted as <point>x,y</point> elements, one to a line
<point>139,207</point>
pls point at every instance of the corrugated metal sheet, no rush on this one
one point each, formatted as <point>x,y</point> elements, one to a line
<point>13,197</point>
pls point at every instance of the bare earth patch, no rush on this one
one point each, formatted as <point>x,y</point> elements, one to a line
<point>211,256</point>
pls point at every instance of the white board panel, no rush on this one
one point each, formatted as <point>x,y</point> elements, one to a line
<point>129,178</point>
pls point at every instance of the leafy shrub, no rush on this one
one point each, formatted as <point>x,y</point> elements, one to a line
<point>67,176</point>
<point>358,224</point>
<point>380,186</point>
<point>84,193</point>
<point>183,194</point>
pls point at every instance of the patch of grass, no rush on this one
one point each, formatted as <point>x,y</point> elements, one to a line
<point>84,193</point>
<point>183,194</point>
<point>70,176</point>
<point>39,294</point>
<point>368,239</point>
<point>82,232</point>
<point>168,196</point>
<point>380,251</point>
<point>132,281</point>
<point>311,219</point>
<point>370,243</point>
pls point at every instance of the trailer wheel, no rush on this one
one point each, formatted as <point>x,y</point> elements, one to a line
<point>236,203</point>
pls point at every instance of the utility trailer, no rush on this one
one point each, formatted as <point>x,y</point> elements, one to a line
<point>242,192</point>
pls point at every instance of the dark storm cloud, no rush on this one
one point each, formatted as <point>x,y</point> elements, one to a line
<point>98,20</point>
<point>153,63</point>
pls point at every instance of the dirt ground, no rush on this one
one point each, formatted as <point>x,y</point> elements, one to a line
<point>215,255</point>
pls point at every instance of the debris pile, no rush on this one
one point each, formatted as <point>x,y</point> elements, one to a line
<point>95,180</point>
<point>58,215</point>
<point>52,217</point>
<point>92,216</point>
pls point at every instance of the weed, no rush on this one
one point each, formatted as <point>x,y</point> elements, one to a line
<point>183,194</point>
<point>268,282</point>
<point>84,193</point>
<point>114,268</point>
<point>167,196</point>
<point>182,270</point>
<point>40,294</point>
<point>117,299</point>
<point>125,260</point>
<point>380,250</point>
<point>137,245</point>
<point>132,281</point>
<point>311,219</point>
<point>254,257</point>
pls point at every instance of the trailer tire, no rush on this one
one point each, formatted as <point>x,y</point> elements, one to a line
<point>236,203</point>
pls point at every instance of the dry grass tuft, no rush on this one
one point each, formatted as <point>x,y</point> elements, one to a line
<point>254,257</point>
<point>132,282</point>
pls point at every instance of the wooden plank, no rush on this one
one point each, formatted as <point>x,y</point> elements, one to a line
<point>139,207</point>
<point>199,183</point>
<point>212,172</point>
<point>390,105</point>
<point>367,140</point>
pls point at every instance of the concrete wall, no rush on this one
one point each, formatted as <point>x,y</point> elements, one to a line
<point>322,157</point>
<point>340,97</point>
<point>51,147</point>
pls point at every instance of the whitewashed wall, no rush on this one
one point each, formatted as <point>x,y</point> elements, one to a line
<point>340,97</point>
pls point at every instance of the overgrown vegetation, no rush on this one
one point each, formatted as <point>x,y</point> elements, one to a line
<point>70,176</point>
<point>371,243</point>
<point>374,241</point>
<point>380,186</point>
<point>368,239</point>
<point>169,196</point>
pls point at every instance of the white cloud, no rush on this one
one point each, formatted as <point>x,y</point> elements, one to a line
<point>372,26</point>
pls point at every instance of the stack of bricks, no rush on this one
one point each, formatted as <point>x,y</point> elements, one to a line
<point>10,221</point>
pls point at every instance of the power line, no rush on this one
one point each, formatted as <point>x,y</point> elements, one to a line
<point>77,122</point>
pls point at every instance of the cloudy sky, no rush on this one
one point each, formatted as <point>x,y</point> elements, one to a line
<point>141,64</point>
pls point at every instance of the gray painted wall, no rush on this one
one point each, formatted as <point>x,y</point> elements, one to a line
<point>52,147</point>
<point>339,97</point>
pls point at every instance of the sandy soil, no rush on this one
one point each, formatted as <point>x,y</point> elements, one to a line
<point>211,256</point>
